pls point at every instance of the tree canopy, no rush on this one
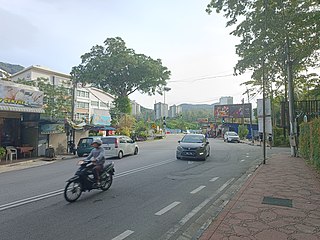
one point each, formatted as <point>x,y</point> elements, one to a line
<point>119,70</point>
<point>270,29</point>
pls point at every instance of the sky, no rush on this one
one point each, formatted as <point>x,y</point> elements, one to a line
<point>196,47</point>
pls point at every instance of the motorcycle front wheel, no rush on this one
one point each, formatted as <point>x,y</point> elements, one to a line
<point>72,191</point>
<point>106,183</point>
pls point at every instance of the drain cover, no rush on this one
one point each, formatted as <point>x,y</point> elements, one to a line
<point>283,202</point>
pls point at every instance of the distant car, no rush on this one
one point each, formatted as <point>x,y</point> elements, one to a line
<point>231,137</point>
<point>84,145</point>
<point>119,146</point>
<point>193,146</point>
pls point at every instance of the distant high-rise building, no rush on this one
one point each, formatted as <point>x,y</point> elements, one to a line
<point>135,108</point>
<point>226,100</point>
<point>161,110</point>
<point>174,111</point>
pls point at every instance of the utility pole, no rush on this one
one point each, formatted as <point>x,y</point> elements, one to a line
<point>73,108</point>
<point>251,130</point>
<point>264,111</point>
<point>291,101</point>
<point>264,87</point>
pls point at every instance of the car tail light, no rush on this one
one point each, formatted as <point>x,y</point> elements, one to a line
<point>116,143</point>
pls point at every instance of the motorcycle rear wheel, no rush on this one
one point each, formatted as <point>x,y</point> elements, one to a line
<point>72,191</point>
<point>106,183</point>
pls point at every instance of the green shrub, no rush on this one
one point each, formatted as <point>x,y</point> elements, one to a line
<point>2,152</point>
<point>304,140</point>
<point>279,139</point>
<point>243,131</point>
<point>309,141</point>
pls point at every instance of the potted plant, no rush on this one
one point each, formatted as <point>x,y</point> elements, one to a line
<point>2,152</point>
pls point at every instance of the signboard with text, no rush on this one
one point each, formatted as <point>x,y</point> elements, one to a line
<point>232,110</point>
<point>13,94</point>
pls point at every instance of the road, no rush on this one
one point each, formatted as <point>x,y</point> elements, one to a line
<point>154,195</point>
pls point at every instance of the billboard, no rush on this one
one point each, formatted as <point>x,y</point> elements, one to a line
<point>268,115</point>
<point>232,110</point>
<point>101,117</point>
<point>13,94</point>
<point>260,107</point>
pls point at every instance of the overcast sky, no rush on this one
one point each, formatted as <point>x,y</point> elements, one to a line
<point>195,46</point>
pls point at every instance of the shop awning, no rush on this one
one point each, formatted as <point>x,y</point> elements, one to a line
<point>21,109</point>
<point>102,128</point>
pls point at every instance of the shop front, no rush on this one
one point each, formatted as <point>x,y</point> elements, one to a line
<point>20,108</point>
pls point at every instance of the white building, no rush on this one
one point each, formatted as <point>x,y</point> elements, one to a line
<point>226,100</point>
<point>91,104</point>
<point>135,108</point>
<point>88,100</point>
<point>174,111</point>
<point>161,110</point>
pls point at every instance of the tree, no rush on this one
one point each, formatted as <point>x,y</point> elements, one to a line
<point>270,30</point>
<point>120,71</point>
<point>126,124</point>
<point>57,99</point>
<point>243,131</point>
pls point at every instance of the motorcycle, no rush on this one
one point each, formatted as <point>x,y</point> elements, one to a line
<point>83,180</point>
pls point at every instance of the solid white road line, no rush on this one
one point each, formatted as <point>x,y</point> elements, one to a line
<point>167,208</point>
<point>186,218</point>
<point>60,191</point>
<point>197,189</point>
<point>214,179</point>
<point>123,235</point>
<point>135,170</point>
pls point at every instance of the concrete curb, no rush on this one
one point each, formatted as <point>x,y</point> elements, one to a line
<point>37,162</point>
<point>201,224</point>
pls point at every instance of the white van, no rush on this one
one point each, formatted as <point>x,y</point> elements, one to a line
<point>119,146</point>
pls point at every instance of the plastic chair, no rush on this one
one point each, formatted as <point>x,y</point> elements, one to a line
<point>11,151</point>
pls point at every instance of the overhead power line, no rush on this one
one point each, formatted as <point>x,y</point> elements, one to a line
<point>201,78</point>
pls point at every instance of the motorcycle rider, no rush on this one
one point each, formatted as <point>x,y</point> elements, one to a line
<point>97,153</point>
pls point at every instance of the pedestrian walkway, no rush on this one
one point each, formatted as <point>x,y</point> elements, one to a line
<point>31,162</point>
<point>281,200</point>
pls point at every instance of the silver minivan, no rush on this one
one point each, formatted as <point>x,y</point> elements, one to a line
<point>119,146</point>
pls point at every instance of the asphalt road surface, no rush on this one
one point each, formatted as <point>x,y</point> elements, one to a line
<point>153,196</point>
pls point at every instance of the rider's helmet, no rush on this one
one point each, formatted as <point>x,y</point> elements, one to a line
<point>97,141</point>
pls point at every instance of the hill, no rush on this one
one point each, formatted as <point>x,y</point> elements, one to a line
<point>191,107</point>
<point>10,68</point>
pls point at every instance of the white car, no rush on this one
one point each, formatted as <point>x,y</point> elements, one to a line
<point>231,137</point>
<point>119,146</point>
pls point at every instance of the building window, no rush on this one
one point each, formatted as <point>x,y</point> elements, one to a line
<point>84,105</point>
<point>83,94</point>
<point>94,103</point>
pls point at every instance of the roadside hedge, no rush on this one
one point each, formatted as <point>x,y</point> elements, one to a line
<point>309,141</point>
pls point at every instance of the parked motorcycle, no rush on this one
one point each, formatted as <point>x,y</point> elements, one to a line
<point>83,180</point>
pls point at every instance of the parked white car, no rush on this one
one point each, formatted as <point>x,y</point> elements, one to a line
<point>119,146</point>
<point>231,137</point>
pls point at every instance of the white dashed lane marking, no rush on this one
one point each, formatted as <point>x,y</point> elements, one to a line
<point>123,235</point>
<point>167,208</point>
<point>214,179</point>
<point>197,189</point>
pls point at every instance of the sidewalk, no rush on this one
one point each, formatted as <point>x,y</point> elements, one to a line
<point>291,212</point>
<point>31,162</point>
